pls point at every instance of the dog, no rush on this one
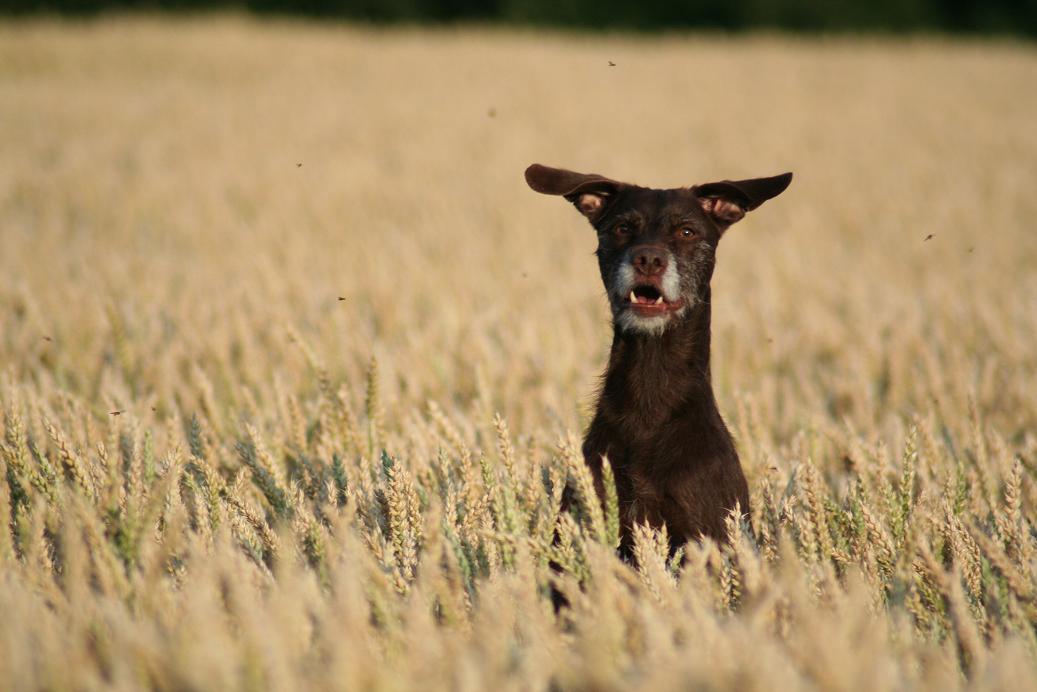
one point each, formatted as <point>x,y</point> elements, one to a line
<point>656,420</point>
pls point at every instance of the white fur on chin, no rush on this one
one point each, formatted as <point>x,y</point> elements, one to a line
<point>653,326</point>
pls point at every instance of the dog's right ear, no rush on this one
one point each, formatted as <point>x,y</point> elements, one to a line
<point>589,192</point>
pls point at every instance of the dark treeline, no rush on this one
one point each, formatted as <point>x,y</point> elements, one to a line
<point>1017,17</point>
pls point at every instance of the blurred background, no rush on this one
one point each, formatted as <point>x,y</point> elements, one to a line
<point>1011,17</point>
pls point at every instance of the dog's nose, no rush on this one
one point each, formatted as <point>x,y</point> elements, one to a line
<point>649,260</point>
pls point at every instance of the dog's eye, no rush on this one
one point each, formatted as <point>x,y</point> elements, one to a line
<point>687,232</point>
<point>622,230</point>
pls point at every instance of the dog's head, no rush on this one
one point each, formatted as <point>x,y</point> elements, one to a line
<point>656,248</point>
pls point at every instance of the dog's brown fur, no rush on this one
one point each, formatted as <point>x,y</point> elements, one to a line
<point>657,421</point>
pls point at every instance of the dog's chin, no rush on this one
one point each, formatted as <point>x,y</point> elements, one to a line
<point>629,321</point>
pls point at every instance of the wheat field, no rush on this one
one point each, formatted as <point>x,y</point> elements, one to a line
<point>294,366</point>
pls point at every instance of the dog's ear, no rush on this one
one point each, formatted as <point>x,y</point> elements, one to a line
<point>728,200</point>
<point>589,192</point>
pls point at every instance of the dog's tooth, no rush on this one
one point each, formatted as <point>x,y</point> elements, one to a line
<point>659,300</point>
<point>633,298</point>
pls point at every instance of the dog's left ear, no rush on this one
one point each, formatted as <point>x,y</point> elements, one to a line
<point>728,200</point>
<point>589,192</point>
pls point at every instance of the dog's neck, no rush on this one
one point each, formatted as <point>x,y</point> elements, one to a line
<point>651,378</point>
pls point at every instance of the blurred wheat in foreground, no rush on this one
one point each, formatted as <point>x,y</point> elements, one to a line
<point>295,368</point>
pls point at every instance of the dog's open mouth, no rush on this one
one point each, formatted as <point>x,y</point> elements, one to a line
<point>649,300</point>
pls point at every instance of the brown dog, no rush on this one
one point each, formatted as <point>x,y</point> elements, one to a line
<point>657,421</point>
